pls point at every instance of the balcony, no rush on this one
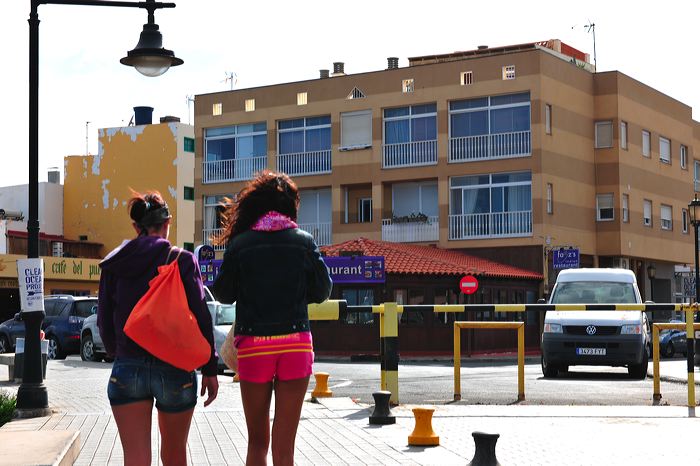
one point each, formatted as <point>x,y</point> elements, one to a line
<point>242,169</point>
<point>411,232</point>
<point>207,235</point>
<point>320,231</point>
<point>491,225</point>
<point>490,146</point>
<point>410,154</point>
<point>305,163</point>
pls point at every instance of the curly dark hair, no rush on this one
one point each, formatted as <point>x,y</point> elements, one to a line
<point>266,192</point>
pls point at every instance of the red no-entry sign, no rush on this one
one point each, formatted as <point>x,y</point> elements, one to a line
<point>468,284</point>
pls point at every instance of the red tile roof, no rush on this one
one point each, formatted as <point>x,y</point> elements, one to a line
<point>401,258</point>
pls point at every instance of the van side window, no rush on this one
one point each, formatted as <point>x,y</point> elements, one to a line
<point>83,308</point>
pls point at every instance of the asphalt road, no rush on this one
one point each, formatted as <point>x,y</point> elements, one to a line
<point>495,382</point>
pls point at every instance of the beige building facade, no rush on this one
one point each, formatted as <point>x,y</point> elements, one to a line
<point>509,153</point>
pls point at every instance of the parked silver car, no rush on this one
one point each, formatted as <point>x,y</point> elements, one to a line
<point>223,316</point>
<point>91,346</point>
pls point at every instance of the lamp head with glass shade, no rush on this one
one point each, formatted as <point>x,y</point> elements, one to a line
<point>694,210</point>
<point>149,57</point>
<point>651,271</point>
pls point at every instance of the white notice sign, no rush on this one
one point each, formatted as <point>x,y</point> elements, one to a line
<point>30,276</point>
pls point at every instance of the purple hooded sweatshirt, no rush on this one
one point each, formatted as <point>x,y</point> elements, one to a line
<point>126,272</point>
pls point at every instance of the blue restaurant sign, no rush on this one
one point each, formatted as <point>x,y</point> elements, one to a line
<point>356,269</point>
<point>565,258</point>
<point>208,266</point>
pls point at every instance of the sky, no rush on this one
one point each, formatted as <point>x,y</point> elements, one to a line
<point>275,41</point>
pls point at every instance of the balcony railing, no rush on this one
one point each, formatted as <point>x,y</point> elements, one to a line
<point>320,231</point>
<point>411,232</point>
<point>207,235</point>
<point>490,146</point>
<point>491,225</point>
<point>305,163</point>
<point>410,154</point>
<point>219,171</point>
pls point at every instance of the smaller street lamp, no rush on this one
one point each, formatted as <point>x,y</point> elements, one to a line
<point>694,212</point>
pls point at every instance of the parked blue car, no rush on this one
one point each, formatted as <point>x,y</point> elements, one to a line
<point>672,342</point>
<point>64,320</point>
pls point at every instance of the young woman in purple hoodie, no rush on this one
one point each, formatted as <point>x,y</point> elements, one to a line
<point>138,378</point>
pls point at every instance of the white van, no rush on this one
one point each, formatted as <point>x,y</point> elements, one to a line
<point>598,337</point>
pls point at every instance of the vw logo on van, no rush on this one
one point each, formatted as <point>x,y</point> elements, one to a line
<point>591,330</point>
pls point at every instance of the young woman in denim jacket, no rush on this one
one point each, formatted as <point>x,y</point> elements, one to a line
<point>272,270</point>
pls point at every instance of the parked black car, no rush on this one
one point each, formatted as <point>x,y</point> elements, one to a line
<point>672,342</point>
<point>62,325</point>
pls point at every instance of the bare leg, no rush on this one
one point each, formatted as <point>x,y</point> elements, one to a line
<point>174,428</point>
<point>256,405</point>
<point>289,398</point>
<point>134,424</point>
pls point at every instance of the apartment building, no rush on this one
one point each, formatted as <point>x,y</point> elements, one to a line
<point>508,153</point>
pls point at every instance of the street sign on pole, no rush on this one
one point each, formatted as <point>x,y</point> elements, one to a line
<point>469,284</point>
<point>565,258</point>
<point>30,278</point>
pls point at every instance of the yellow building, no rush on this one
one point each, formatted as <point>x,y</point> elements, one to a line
<point>141,157</point>
<point>507,153</point>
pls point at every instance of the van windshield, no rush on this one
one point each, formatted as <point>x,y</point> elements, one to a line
<point>594,293</point>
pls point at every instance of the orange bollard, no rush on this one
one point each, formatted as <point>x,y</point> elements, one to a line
<point>321,390</point>
<point>423,434</point>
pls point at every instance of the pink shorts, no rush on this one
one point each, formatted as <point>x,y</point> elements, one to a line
<point>281,357</point>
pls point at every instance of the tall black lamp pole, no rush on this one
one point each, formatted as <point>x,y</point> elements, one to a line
<point>150,59</point>
<point>694,211</point>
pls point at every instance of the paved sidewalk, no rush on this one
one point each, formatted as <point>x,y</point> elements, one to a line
<point>336,431</point>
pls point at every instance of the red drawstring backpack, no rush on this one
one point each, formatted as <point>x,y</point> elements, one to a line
<point>162,323</point>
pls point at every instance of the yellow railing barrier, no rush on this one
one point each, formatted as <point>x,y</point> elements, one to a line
<point>657,352</point>
<point>458,326</point>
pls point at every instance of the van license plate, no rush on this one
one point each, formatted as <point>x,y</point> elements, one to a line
<point>590,351</point>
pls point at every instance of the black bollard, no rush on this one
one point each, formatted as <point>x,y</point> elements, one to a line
<point>485,454</point>
<point>382,413</point>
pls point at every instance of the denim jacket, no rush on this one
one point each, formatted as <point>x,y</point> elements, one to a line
<point>272,276</point>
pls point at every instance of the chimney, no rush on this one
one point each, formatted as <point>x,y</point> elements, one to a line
<point>482,47</point>
<point>324,74</point>
<point>392,63</point>
<point>54,175</point>
<point>169,119</point>
<point>143,115</point>
<point>338,68</point>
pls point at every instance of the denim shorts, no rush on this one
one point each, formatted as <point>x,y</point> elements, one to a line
<point>147,378</point>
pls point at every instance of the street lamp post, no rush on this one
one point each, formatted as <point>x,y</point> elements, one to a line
<point>150,59</point>
<point>651,274</point>
<point>694,212</point>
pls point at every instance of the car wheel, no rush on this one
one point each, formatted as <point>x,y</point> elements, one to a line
<point>55,351</point>
<point>87,350</point>
<point>548,369</point>
<point>639,371</point>
<point>4,345</point>
<point>669,351</point>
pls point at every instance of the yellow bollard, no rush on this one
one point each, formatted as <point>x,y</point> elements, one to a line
<point>236,378</point>
<point>321,390</point>
<point>423,434</point>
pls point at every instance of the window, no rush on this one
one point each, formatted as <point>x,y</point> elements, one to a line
<point>508,72</point>
<point>213,210</point>
<point>498,204</point>
<point>696,175</point>
<point>647,213</point>
<point>646,143</point>
<point>684,157</point>
<point>664,150</point>
<point>550,202</point>
<point>623,135</point>
<point>189,193</point>
<point>249,105</point>
<point>603,134</point>
<point>489,127</point>
<point>216,109</point>
<point>626,208</point>
<point>189,144</point>
<point>356,94</point>
<point>410,124</point>
<point>465,78</point>
<point>414,198</point>
<point>356,129</point>
<point>684,220</point>
<point>304,135</point>
<point>666,217</point>
<point>188,246</point>
<point>364,210</point>
<point>605,207</point>
<point>235,143</point>
<point>407,85</point>
<point>548,119</point>
<point>302,98</point>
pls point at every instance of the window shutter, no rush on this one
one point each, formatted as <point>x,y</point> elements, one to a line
<point>356,129</point>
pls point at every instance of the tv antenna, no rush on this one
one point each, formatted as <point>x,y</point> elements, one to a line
<point>590,27</point>
<point>87,152</point>
<point>188,100</point>
<point>231,77</point>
